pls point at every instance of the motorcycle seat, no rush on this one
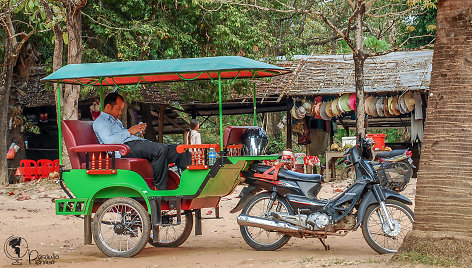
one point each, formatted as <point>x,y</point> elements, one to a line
<point>391,153</point>
<point>290,175</point>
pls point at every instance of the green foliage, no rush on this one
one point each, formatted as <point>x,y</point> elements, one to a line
<point>392,135</point>
<point>426,259</point>
<point>372,43</point>
<point>422,24</point>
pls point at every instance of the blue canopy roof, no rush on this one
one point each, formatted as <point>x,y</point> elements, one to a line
<point>154,71</point>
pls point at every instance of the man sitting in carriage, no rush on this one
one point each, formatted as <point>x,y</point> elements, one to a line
<point>110,130</point>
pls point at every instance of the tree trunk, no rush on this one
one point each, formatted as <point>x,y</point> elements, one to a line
<point>70,93</point>
<point>443,199</point>
<point>5,82</point>
<point>56,65</point>
<point>359,59</point>
<point>11,51</point>
<point>74,55</point>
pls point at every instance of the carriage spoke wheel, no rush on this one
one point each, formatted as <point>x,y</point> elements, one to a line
<point>172,234</point>
<point>121,227</point>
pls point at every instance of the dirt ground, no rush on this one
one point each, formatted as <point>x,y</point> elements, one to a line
<point>27,210</point>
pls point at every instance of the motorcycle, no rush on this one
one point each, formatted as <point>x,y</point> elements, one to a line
<point>394,168</point>
<point>278,204</point>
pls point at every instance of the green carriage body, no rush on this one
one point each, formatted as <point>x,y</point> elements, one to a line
<point>218,181</point>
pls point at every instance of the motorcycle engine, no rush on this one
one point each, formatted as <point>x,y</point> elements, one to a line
<point>318,220</point>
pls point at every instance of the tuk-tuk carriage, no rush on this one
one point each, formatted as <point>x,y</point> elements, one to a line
<point>128,210</point>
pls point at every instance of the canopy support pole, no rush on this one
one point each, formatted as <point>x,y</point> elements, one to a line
<point>221,110</point>
<point>101,97</point>
<point>59,130</point>
<point>162,114</point>
<point>254,97</point>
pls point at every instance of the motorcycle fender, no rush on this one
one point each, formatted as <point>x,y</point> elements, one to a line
<point>246,193</point>
<point>369,199</point>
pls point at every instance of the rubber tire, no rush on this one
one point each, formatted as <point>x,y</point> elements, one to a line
<point>146,226</point>
<point>182,238</point>
<point>370,241</point>
<point>246,236</point>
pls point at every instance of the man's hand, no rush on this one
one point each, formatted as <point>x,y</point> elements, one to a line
<point>137,128</point>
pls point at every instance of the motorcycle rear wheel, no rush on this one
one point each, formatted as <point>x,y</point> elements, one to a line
<point>259,238</point>
<point>377,235</point>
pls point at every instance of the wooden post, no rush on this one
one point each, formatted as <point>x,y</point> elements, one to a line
<point>186,132</point>
<point>124,115</point>
<point>289,129</point>
<point>88,229</point>
<point>162,114</point>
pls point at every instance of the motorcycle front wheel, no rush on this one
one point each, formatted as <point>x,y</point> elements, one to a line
<point>259,238</point>
<point>377,232</point>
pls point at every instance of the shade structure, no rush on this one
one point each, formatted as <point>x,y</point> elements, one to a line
<point>154,71</point>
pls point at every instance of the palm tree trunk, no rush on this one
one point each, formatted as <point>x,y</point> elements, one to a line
<point>443,212</point>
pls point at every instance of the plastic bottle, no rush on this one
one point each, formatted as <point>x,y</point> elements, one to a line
<point>211,157</point>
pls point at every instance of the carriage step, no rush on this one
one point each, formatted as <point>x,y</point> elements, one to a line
<point>71,206</point>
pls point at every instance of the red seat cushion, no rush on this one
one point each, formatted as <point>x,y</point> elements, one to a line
<point>78,132</point>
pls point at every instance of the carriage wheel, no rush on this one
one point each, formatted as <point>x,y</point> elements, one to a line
<point>121,227</point>
<point>170,234</point>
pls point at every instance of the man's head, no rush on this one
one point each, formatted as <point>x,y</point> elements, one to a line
<point>113,104</point>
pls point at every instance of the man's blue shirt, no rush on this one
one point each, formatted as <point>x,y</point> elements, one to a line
<point>111,131</point>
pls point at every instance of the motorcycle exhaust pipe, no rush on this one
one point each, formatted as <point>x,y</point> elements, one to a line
<point>266,224</point>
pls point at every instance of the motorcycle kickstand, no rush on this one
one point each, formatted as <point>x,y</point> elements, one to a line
<point>326,246</point>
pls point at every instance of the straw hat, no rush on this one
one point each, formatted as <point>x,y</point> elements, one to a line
<point>307,106</point>
<point>367,105</point>
<point>410,101</point>
<point>372,107</point>
<point>344,103</point>
<point>318,109</point>
<point>293,111</point>
<point>390,110</point>
<point>352,101</point>
<point>385,105</point>
<point>402,104</point>
<point>339,106</point>
<point>394,106</point>
<point>323,114</point>
<point>335,108</point>
<point>301,112</point>
<point>379,107</point>
<point>329,113</point>
<point>312,109</point>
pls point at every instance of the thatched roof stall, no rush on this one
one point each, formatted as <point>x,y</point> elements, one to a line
<point>334,74</point>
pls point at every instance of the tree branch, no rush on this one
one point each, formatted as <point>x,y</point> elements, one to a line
<point>104,25</point>
<point>10,9</point>
<point>397,48</point>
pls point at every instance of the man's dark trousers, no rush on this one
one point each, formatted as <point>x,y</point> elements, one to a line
<point>160,155</point>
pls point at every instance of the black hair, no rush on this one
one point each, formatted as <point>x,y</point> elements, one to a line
<point>111,99</point>
<point>193,124</point>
